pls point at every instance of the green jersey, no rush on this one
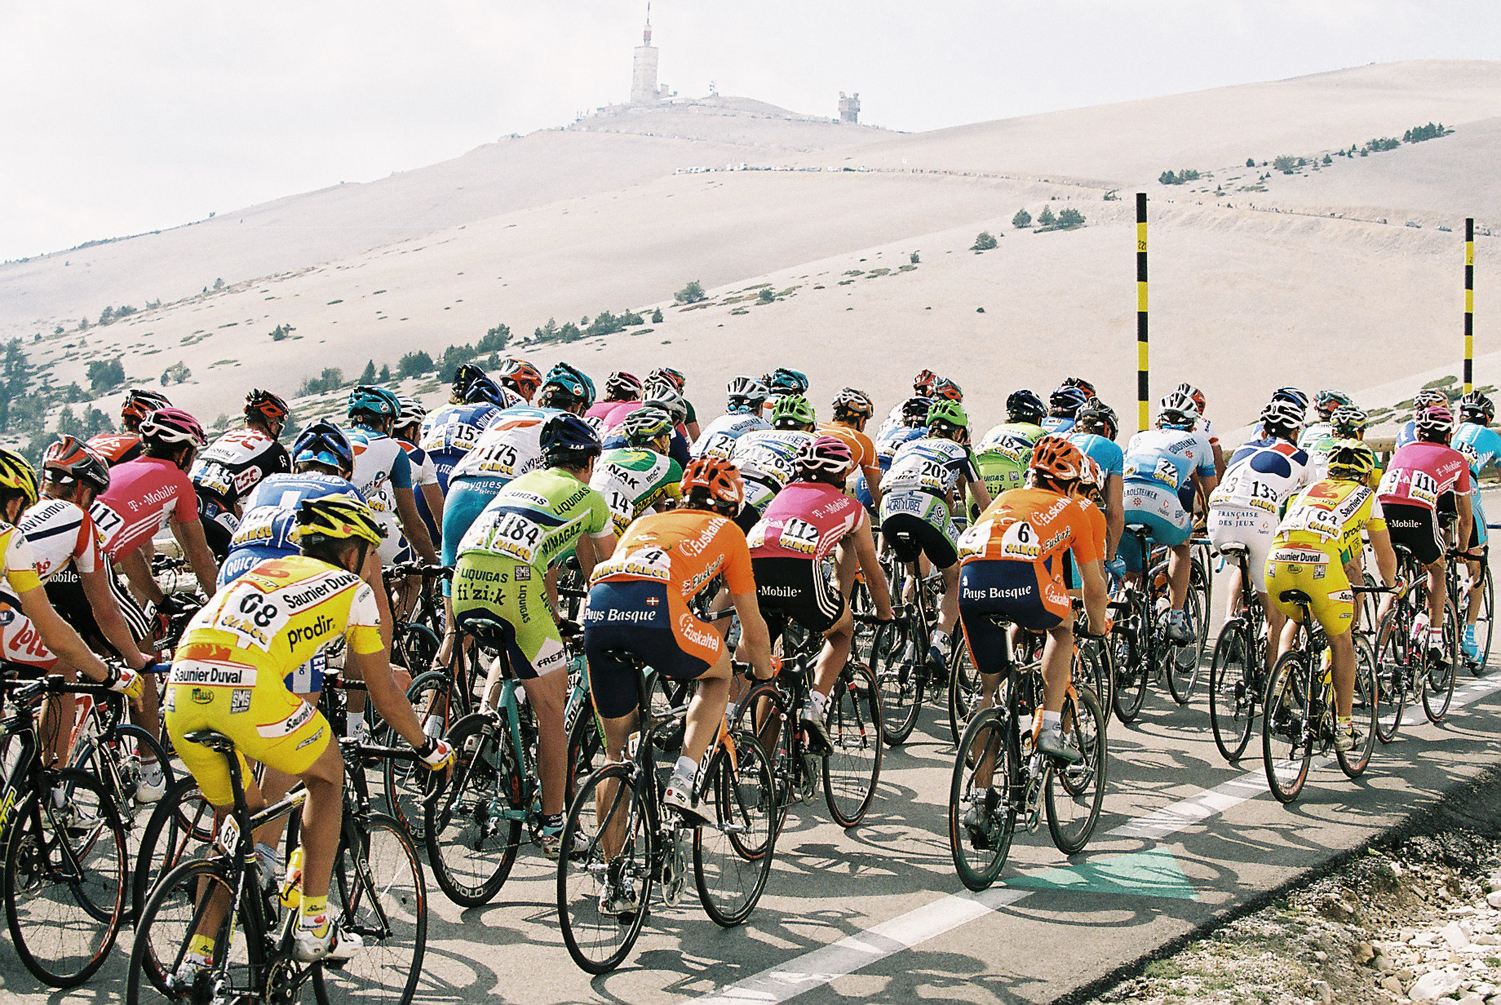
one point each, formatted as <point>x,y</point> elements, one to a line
<point>1004,455</point>
<point>537,518</point>
<point>632,480</point>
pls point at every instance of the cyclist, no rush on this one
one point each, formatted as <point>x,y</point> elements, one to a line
<point>784,381</point>
<point>383,474</point>
<point>407,430</point>
<point>926,483</point>
<point>1005,450</point>
<point>1016,561</point>
<point>767,460</point>
<point>679,383</point>
<point>639,605</point>
<point>1264,473</point>
<point>660,395</point>
<point>1318,435</point>
<point>1063,404</point>
<point>1166,469</point>
<point>503,562</point>
<point>621,388</point>
<point>922,387</point>
<point>519,377</point>
<point>744,398</point>
<point>1481,446</point>
<point>852,410</point>
<point>1425,478</point>
<point>1316,550</point>
<point>235,463</point>
<point>452,431</point>
<point>227,676</point>
<point>125,445</point>
<point>912,425</point>
<point>1094,432</point>
<point>634,478</point>
<point>807,521</point>
<point>1424,399</point>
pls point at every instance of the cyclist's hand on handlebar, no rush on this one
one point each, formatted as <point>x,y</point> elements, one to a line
<point>885,615</point>
<point>1106,629</point>
<point>123,680</point>
<point>568,628</point>
<point>436,754</point>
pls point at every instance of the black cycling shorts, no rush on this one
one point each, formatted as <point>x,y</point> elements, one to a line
<point>910,536</point>
<point>65,593</point>
<point>1416,529</point>
<point>795,589</point>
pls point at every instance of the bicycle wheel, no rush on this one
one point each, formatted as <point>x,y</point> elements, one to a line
<point>414,646</point>
<point>473,829</point>
<point>732,857</point>
<point>763,712</point>
<point>1183,658</point>
<point>1131,675</point>
<point>963,689</point>
<point>853,767</point>
<point>115,760</point>
<point>1484,621</point>
<point>1394,656</point>
<point>609,814</point>
<point>407,783</point>
<point>1286,733</point>
<point>1075,792</point>
<point>385,906</point>
<point>168,922</point>
<point>65,880</point>
<point>982,817</point>
<point>1437,683</point>
<point>894,656</point>
<point>586,750</point>
<point>1232,691</point>
<point>1362,711</point>
<point>181,827</point>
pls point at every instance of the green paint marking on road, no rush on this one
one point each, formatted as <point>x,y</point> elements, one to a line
<point>1138,874</point>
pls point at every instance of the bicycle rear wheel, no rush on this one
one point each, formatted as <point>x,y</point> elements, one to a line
<point>1183,658</point>
<point>894,658</point>
<point>1437,684</point>
<point>1075,792</point>
<point>408,783</point>
<point>473,828</point>
<point>1362,711</point>
<point>1484,620</point>
<point>1232,688</point>
<point>167,924</point>
<point>1286,732</point>
<point>181,827</point>
<point>609,811</point>
<point>1131,676</point>
<point>982,817</point>
<point>853,767</point>
<point>732,857</point>
<point>963,689</point>
<point>1394,658</point>
<point>386,907</point>
<point>763,712</point>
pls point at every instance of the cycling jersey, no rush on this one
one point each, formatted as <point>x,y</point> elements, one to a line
<point>228,670</point>
<point>633,480</point>
<point>1057,425</point>
<point>887,442</point>
<point>235,463</point>
<point>1158,469</point>
<point>60,534</point>
<point>605,415</point>
<point>1244,508</point>
<point>718,438</point>
<point>509,447</point>
<point>1407,434</point>
<point>451,432</point>
<point>116,448</point>
<point>381,467</point>
<point>1315,440</point>
<point>143,495</point>
<point>1481,446</point>
<point>1003,455</point>
<point>802,526</point>
<point>20,642</point>
<point>1318,536</point>
<point>424,472</point>
<point>862,448</point>
<point>916,516</point>
<point>1102,450</point>
<point>1420,473</point>
<point>767,460</point>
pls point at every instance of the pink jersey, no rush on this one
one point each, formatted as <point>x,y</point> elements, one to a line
<point>604,412</point>
<point>143,495</point>
<point>612,422</point>
<point>805,520</point>
<point>1420,473</point>
<point>58,533</point>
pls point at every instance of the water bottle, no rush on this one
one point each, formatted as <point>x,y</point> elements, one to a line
<point>1420,629</point>
<point>291,888</point>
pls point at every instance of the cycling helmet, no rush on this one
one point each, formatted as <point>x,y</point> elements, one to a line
<point>1327,400</point>
<point>915,411</point>
<point>664,397</point>
<point>712,483</point>
<point>265,405</point>
<point>68,460</point>
<point>922,384</point>
<point>745,394</point>
<point>1092,479</point>
<point>945,416</point>
<point>412,413</point>
<point>1177,411</point>
<point>1434,424</point>
<point>1057,461</point>
<point>1081,384</point>
<point>140,403</point>
<point>485,389</point>
<point>337,517</point>
<point>1023,405</point>
<point>375,400</point>
<point>324,443</point>
<point>1098,417</point>
<point>568,440</point>
<point>567,387</point>
<point>645,425</point>
<point>520,376</point>
<point>1476,407</point>
<point>17,473</point>
<point>622,386</point>
<point>462,378</point>
<point>1352,459</point>
<point>793,412</point>
<point>851,403</point>
<point>1348,422</point>
<point>1195,394</point>
<point>784,380</point>
<point>172,425</point>
<point>1424,398</point>
<point>947,390</point>
<point>824,459</point>
<point>1281,417</point>
<point>671,376</point>
<point>1292,394</point>
<point>1066,401</point>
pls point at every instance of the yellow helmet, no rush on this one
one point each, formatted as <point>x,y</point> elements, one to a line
<point>1351,458</point>
<point>17,473</point>
<point>337,517</point>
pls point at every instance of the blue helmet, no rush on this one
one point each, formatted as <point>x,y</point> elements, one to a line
<point>785,380</point>
<point>483,388</point>
<point>566,386</point>
<point>1023,405</point>
<point>324,443</point>
<point>1066,400</point>
<point>374,399</point>
<point>568,439</point>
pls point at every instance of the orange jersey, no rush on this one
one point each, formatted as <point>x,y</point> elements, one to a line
<point>1035,525</point>
<point>686,549</point>
<point>861,447</point>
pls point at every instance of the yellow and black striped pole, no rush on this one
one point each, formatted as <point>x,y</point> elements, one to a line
<point>1142,397</point>
<point>1469,304</point>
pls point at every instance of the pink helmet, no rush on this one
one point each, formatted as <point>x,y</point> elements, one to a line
<point>172,425</point>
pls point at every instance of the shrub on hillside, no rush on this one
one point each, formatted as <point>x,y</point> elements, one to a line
<point>1046,217</point>
<point>1417,134</point>
<point>691,294</point>
<point>105,374</point>
<point>1286,164</point>
<point>1070,218</point>
<point>1022,219</point>
<point>984,241</point>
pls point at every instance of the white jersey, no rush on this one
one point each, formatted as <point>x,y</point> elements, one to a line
<point>769,455</point>
<point>510,447</point>
<point>381,466</point>
<point>58,532</point>
<point>718,438</point>
<point>1262,475</point>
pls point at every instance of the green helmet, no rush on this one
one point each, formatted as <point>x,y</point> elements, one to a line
<point>792,412</point>
<point>948,415</point>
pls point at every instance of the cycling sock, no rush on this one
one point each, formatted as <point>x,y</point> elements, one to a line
<point>201,949</point>
<point>151,769</point>
<point>1052,721</point>
<point>815,706</point>
<point>314,915</point>
<point>1342,724</point>
<point>940,640</point>
<point>353,723</point>
<point>552,821</point>
<point>1435,638</point>
<point>683,772</point>
<point>59,797</point>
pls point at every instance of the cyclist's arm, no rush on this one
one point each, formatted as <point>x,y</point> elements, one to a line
<point>189,534</point>
<point>978,493</point>
<point>412,525</point>
<point>870,564</point>
<point>872,473</point>
<point>592,550</point>
<point>59,636</point>
<point>433,496</point>
<point>109,617</point>
<point>137,569</point>
<point>375,670</point>
<point>372,575</point>
<point>1115,514</point>
<point>754,635</point>
<point>1466,510</point>
<point>1096,593</point>
<point>1386,558</point>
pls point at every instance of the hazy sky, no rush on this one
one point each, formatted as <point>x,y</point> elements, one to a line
<point>120,117</point>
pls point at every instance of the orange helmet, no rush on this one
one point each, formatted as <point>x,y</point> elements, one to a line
<point>1056,460</point>
<point>520,376</point>
<point>716,481</point>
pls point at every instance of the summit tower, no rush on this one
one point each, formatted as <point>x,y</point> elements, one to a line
<point>644,89</point>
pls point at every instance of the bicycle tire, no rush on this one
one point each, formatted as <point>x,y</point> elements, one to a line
<point>963,689</point>
<point>586,750</point>
<point>115,757</point>
<point>471,844</point>
<point>1284,724</point>
<point>414,646</point>
<point>1485,621</point>
<point>732,858</point>
<point>389,913</point>
<point>852,770</point>
<point>979,860</point>
<point>87,873</point>
<point>175,832</point>
<point>408,784</point>
<point>1184,658</point>
<point>1394,657</point>
<point>894,660</point>
<point>598,943</point>
<point>167,922</point>
<point>1353,762</point>
<point>1081,785</point>
<point>764,712</point>
<point>1232,695</point>
<point>1131,676</point>
<point>1437,682</point>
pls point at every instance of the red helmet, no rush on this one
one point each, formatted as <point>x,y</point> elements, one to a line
<point>140,403</point>
<point>69,460</point>
<point>172,425</point>
<point>1057,460</point>
<point>716,481</point>
<point>521,375</point>
<point>923,383</point>
<point>945,388</point>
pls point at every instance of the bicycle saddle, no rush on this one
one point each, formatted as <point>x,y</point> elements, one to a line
<point>1233,548</point>
<point>211,739</point>
<point>1295,597</point>
<point>486,631</point>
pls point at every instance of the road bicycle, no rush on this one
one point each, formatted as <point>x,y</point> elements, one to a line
<point>1143,650</point>
<point>1237,670</point>
<point>1405,667</point>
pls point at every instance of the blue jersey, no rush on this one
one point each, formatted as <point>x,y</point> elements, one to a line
<point>1169,458</point>
<point>677,447</point>
<point>1407,434</point>
<point>1481,446</point>
<point>888,440</point>
<point>1104,452</point>
<point>451,432</point>
<point>1057,425</point>
<point>265,531</point>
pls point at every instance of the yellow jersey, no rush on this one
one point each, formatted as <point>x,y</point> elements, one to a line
<point>1330,514</point>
